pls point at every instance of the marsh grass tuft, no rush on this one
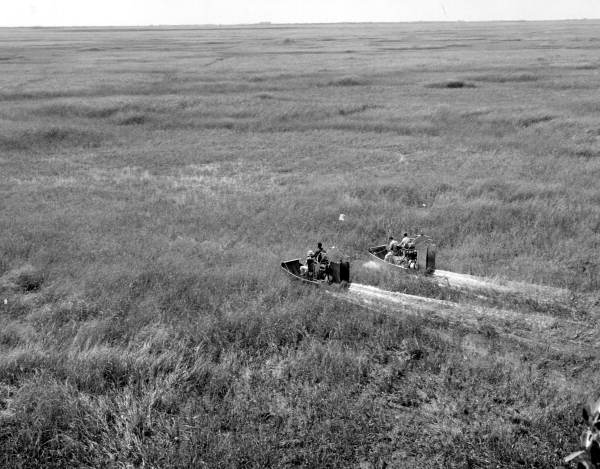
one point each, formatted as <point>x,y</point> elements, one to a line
<point>30,281</point>
<point>134,119</point>
<point>348,81</point>
<point>523,77</point>
<point>452,84</point>
<point>49,137</point>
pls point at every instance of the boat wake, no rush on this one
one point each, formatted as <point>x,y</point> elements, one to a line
<point>539,293</point>
<point>534,329</point>
<point>448,310</point>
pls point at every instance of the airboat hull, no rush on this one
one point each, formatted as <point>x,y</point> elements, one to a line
<point>339,273</point>
<point>374,252</point>
<point>425,256</point>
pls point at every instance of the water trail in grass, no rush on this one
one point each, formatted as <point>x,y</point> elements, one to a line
<point>378,299</point>
<point>542,294</point>
<point>532,329</point>
<point>539,293</point>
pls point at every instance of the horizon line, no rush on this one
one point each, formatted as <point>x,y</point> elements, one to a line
<point>272,23</point>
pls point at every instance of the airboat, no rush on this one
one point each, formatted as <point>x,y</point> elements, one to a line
<point>417,256</point>
<point>334,272</point>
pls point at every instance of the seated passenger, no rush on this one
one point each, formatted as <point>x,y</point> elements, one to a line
<point>310,264</point>
<point>323,267</point>
<point>392,243</point>
<point>389,257</point>
<point>318,254</point>
<point>405,241</point>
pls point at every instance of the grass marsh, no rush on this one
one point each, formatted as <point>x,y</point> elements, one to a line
<point>153,179</point>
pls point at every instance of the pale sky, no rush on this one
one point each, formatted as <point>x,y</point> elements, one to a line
<point>147,12</point>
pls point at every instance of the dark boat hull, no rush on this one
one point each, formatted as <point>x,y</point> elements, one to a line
<point>338,273</point>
